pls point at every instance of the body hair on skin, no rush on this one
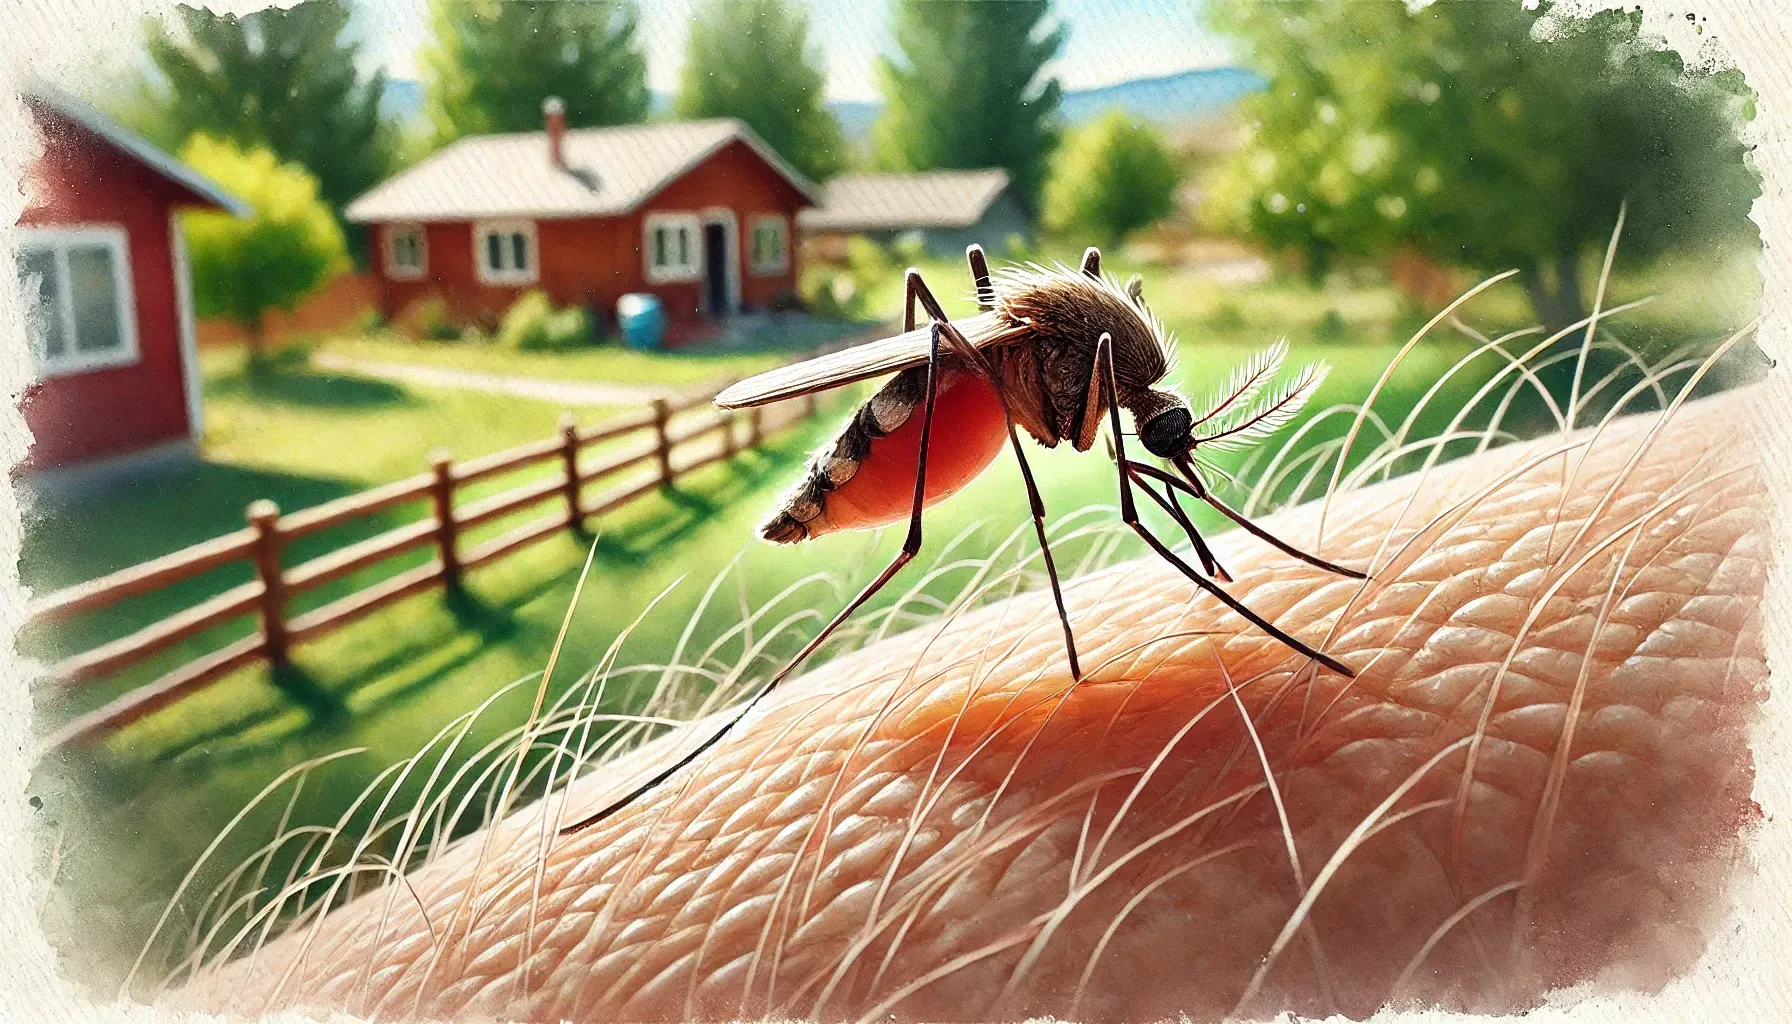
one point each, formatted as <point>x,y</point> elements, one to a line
<point>463,795</point>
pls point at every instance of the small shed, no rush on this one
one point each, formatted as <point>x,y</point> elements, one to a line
<point>947,210</point>
<point>700,213</point>
<point>108,299</point>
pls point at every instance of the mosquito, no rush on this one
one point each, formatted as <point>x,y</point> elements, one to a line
<point>1054,352</point>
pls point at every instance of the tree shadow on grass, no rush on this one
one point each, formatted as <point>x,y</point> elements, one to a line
<point>287,378</point>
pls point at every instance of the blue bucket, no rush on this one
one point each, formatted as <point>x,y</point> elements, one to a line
<point>641,319</point>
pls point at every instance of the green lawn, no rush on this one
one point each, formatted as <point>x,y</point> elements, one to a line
<point>758,349</point>
<point>132,816</point>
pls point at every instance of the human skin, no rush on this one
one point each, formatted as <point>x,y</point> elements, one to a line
<point>1539,777</point>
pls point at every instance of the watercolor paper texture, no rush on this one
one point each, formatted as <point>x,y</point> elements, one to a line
<point>382,510</point>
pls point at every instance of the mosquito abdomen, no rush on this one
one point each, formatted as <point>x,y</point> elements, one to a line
<point>865,478</point>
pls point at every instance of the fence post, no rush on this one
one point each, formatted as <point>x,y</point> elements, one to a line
<point>662,414</point>
<point>755,426</point>
<point>730,447</point>
<point>264,516</point>
<point>569,457</point>
<point>441,493</point>
<point>809,405</point>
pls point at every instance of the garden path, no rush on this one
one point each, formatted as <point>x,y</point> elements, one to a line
<point>563,392</point>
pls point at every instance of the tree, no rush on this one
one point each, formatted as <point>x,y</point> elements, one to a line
<point>494,61</point>
<point>1485,135</point>
<point>1110,178</point>
<point>242,268</point>
<point>751,59</point>
<point>284,79</point>
<point>967,92</point>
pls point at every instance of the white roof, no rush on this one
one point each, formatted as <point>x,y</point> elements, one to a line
<point>900,202</point>
<point>159,161</point>
<point>608,171</point>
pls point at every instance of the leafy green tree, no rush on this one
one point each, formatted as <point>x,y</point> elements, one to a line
<point>1483,138</point>
<point>968,91</point>
<point>751,59</point>
<point>1110,178</point>
<point>284,79</point>
<point>494,61</point>
<point>242,268</point>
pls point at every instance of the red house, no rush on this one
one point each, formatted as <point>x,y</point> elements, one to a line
<point>108,300</point>
<point>700,213</point>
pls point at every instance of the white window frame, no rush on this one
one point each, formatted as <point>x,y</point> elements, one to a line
<point>782,264</point>
<point>482,229</point>
<point>58,238</point>
<point>396,270</point>
<point>692,269</point>
<point>189,340</point>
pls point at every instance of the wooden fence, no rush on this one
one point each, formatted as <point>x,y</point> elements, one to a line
<point>658,452</point>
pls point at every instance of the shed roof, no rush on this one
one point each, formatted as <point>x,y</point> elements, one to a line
<point>899,202</point>
<point>155,159</point>
<point>608,171</point>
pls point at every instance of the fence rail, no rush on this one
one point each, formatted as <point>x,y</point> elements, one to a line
<point>658,454</point>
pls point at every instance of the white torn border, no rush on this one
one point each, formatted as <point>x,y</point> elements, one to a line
<point>1745,973</point>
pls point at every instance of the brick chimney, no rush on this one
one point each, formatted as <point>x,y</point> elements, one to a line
<point>553,113</point>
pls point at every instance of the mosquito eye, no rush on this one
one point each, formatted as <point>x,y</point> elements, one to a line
<point>1166,434</point>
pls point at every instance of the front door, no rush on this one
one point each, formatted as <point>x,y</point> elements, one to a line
<point>715,267</point>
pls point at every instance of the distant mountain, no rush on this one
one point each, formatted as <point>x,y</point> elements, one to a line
<point>1184,97</point>
<point>1181,98</point>
<point>856,116</point>
<point>1172,99</point>
<point>403,99</point>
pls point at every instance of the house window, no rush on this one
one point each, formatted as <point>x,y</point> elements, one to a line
<point>406,256</point>
<point>504,252</point>
<point>771,245</point>
<point>80,311</point>
<point>671,241</point>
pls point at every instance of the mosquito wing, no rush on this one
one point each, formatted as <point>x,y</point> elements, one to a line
<point>861,362</point>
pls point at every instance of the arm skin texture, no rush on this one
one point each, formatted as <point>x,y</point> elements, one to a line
<point>1540,777</point>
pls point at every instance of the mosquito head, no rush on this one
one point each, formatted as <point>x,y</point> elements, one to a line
<point>1164,422</point>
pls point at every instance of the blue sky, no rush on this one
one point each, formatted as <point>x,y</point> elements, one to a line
<point>1110,40</point>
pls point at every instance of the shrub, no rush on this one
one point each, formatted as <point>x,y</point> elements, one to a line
<point>284,250</point>
<point>429,319</point>
<point>1331,326</point>
<point>1227,317</point>
<point>832,295</point>
<point>909,248</point>
<point>1111,178</point>
<point>368,321</point>
<point>532,323</point>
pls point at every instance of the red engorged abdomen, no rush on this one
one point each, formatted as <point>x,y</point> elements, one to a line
<point>968,433</point>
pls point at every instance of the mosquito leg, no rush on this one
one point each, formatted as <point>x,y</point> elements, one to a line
<point>1173,489</point>
<point>911,285</point>
<point>1201,549</point>
<point>1196,488</point>
<point>963,347</point>
<point>910,547</point>
<point>1129,513</point>
<point>986,296</point>
<point>1037,504</point>
<point>1172,505</point>
<point>1092,261</point>
<point>1200,491</point>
